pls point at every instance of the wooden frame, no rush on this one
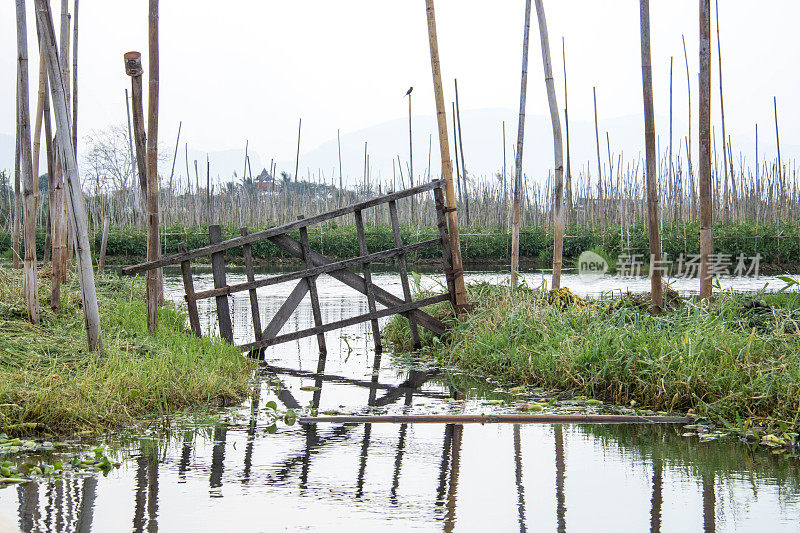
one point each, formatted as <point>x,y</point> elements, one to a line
<point>316,264</point>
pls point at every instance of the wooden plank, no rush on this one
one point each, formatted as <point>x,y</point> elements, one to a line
<point>312,288</point>
<point>278,230</point>
<point>356,282</point>
<point>447,262</point>
<point>362,249</point>
<point>251,277</point>
<point>285,310</point>
<point>402,308</point>
<point>316,271</point>
<point>401,266</point>
<point>499,418</point>
<point>188,287</point>
<point>218,271</point>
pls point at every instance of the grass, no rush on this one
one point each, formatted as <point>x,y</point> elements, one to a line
<point>735,360</point>
<point>49,383</point>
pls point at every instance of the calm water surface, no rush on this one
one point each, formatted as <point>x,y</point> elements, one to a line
<point>232,475</point>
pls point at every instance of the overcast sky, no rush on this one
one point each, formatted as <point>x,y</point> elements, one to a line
<point>241,70</point>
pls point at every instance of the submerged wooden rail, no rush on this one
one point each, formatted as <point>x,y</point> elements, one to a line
<point>497,419</point>
<point>316,264</point>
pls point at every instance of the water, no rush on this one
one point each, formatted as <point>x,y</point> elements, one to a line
<point>220,475</point>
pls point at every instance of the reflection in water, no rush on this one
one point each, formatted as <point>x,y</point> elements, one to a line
<point>329,477</point>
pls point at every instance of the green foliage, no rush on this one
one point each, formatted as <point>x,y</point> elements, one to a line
<point>50,383</point>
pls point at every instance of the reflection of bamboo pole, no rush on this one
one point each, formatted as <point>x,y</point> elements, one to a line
<point>516,222</point>
<point>518,478</point>
<point>656,499</point>
<point>709,504</point>
<point>452,490</point>
<point>447,165</point>
<point>561,474</point>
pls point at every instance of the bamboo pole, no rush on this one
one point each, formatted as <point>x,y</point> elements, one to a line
<point>704,162</point>
<point>447,165</point>
<point>137,198</point>
<point>558,184</point>
<point>15,232</point>
<point>656,289</point>
<point>597,145</point>
<point>463,164</point>
<point>30,277</point>
<point>517,215</point>
<point>566,127</point>
<point>78,209</point>
<point>155,292</point>
<point>296,167</point>
<point>726,194</point>
<point>75,76</point>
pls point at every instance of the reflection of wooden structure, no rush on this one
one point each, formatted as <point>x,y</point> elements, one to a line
<point>316,264</point>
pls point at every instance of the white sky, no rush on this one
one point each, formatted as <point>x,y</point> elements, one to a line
<point>249,69</point>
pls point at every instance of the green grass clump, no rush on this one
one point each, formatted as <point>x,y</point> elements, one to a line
<point>50,383</point>
<point>734,359</point>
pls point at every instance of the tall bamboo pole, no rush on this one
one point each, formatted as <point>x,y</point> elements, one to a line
<point>704,162</point>
<point>517,215</point>
<point>689,111</point>
<point>137,198</point>
<point>296,168</point>
<point>30,277</point>
<point>463,164</point>
<point>155,291</point>
<point>75,76</point>
<point>656,289</point>
<point>15,232</point>
<point>558,184</point>
<point>78,217</point>
<point>566,127</point>
<point>597,145</point>
<point>447,165</point>
<point>726,194</point>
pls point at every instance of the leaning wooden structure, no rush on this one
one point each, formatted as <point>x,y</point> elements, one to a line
<point>316,264</point>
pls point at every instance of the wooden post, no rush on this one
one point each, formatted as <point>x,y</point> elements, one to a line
<point>558,184</point>
<point>101,262</point>
<point>401,263</point>
<point>362,250</point>
<point>704,162</point>
<point>656,289</point>
<point>247,251</point>
<point>441,222</point>
<point>30,183</point>
<point>188,287</point>
<point>312,288</point>
<point>78,210</point>
<point>447,165</point>
<point>218,271</point>
<point>517,219</point>
<point>155,289</point>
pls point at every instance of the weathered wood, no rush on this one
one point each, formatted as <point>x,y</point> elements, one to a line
<point>155,291</point>
<point>285,310</point>
<point>317,270</point>
<point>78,219</point>
<point>188,288</point>
<point>362,249</point>
<point>447,164</point>
<point>704,161</point>
<point>402,267</point>
<point>218,271</point>
<point>447,263</point>
<point>558,184</point>
<point>656,288</point>
<point>356,282</point>
<point>312,289</point>
<point>251,277</point>
<point>495,419</point>
<point>29,181</point>
<point>516,218</point>
<point>400,309</point>
<point>279,230</point>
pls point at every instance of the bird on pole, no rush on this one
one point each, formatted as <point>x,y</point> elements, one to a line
<point>409,91</point>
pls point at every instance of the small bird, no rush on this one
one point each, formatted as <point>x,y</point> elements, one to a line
<point>409,91</point>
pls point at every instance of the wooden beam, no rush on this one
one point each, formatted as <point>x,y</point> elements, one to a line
<point>286,310</point>
<point>218,271</point>
<point>402,308</point>
<point>317,270</point>
<point>356,282</point>
<point>278,230</point>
